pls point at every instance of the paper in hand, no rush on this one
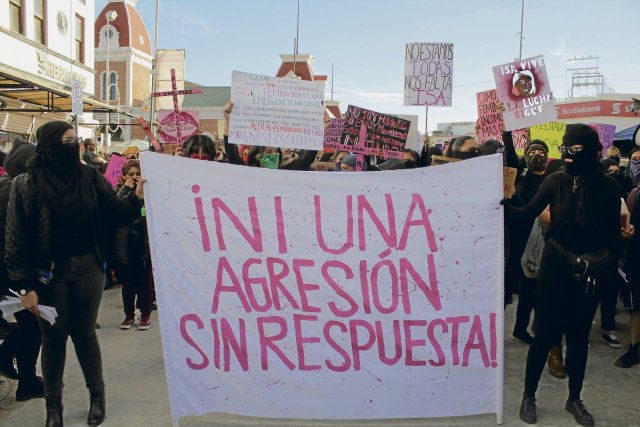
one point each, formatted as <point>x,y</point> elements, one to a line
<point>12,305</point>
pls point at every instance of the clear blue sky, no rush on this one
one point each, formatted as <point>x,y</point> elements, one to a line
<point>365,39</point>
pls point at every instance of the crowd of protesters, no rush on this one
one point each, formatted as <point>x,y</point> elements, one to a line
<point>64,227</point>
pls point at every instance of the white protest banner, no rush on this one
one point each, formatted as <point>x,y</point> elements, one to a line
<point>276,112</point>
<point>428,72</point>
<point>523,87</point>
<point>310,295</point>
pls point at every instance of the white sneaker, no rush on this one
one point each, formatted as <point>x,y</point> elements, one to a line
<point>611,339</point>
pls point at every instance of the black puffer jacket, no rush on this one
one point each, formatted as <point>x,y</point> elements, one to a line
<point>29,238</point>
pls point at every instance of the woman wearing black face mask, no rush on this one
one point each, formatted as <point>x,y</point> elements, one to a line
<point>463,147</point>
<point>58,221</point>
<point>585,220</point>
<point>612,169</point>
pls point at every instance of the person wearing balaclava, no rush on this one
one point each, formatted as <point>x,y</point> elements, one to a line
<point>23,341</point>
<point>585,221</point>
<point>58,220</point>
<point>527,184</point>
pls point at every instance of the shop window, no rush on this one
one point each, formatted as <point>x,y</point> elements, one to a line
<point>15,16</point>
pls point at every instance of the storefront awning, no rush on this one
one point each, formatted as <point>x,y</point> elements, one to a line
<point>37,95</point>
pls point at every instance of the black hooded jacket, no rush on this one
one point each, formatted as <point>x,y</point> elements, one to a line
<point>15,163</point>
<point>29,245</point>
<point>585,211</point>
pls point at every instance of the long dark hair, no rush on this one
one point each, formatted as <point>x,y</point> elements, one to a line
<point>193,144</point>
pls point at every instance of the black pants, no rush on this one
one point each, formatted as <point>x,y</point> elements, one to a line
<point>526,304</point>
<point>24,342</point>
<point>137,283</point>
<point>608,303</point>
<point>562,306</point>
<point>75,292</point>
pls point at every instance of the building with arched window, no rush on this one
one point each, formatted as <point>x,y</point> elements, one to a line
<point>123,48</point>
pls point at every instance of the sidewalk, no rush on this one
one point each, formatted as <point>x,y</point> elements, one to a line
<point>137,390</point>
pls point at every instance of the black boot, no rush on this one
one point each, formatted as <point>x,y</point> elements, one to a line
<point>630,357</point>
<point>528,409</point>
<point>96,408</point>
<point>54,412</point>
<point>580,412</point>
<point>30,388</point>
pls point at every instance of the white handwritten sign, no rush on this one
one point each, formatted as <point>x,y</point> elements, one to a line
<point>428,72</point>
<point>523,87</point>
<point>275,112</point>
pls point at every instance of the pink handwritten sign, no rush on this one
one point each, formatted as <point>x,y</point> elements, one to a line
<point>114,169</point>
<point>333,133</point>
<point>491,124</point>
<point>385,135</point>
<point>186,124</point>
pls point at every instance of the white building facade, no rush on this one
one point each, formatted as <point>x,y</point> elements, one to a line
<point>45,44</point>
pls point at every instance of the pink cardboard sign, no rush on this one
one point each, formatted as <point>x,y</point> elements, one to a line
<point>491,124</point>
<point>114,169</point>
<point>333,133</point>
<point>606,133</point>
<point>385,135</point>
<point>187,124</point>
<point>523,87</point>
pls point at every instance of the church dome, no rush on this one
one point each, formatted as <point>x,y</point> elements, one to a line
<point>129,27</point>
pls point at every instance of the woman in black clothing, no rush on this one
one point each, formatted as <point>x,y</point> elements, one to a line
<point>585,219</point>
<point>59,219</point>
<point>23,342</point>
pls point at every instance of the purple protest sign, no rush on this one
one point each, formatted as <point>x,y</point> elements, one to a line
<point>385,135</point>
<point>332,134</point>
<point>606,133</point>
<point>523,87</point>
<point>114,169</point>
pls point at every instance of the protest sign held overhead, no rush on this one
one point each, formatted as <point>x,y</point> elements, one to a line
<point>384,135</point>
<point>606,133</point>
<point>333,134</point>
<point>428,73</point>
<point>276,112</point>
<point>413,143</point>
<point>175,128</point>
<point>523,87</point>
<point>490,122</point>
<point>114,169</point>
<point>552,134</point>
<point>294,292</point>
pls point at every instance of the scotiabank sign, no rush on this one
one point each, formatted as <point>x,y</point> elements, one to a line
<point>596,108</point>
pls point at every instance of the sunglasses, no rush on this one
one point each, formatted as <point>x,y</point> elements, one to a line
<point>70,140</point>
<point>199,156</point>
<point>570,150</point>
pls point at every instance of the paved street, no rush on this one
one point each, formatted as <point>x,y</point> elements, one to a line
<point>137,393</point>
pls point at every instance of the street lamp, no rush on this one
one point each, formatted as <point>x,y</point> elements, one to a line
<point>110,16</point>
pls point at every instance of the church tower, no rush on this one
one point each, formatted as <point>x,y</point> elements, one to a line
<point>122,40</point>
